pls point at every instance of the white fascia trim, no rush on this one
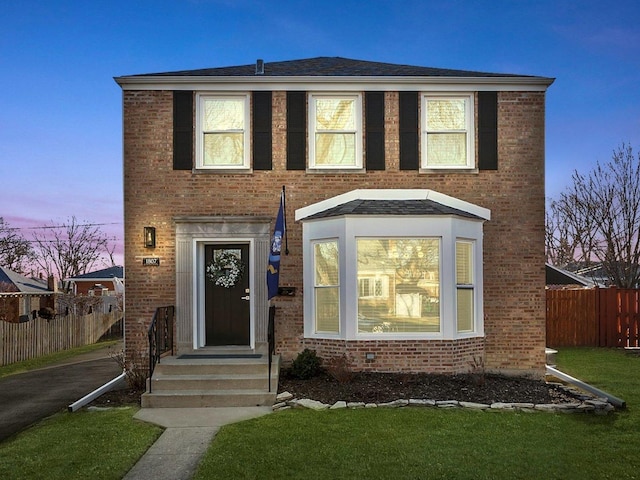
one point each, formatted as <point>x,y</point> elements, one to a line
<point>393,194</point>
<point>355,83</point>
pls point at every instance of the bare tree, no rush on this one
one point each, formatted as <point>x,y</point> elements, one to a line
<point>16,253</point>
<point>597,220</point>
<point>72,249</point>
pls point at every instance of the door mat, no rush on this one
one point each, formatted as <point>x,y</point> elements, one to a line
<point>196,356</point>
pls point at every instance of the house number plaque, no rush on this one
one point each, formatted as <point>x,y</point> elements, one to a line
<point>151,262</point>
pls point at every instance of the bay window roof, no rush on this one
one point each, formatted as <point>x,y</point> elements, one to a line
<point>392,202</point>
<point>392,207</point>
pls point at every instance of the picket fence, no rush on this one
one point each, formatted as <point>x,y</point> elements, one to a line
<point>595,317</point>
<point>38,337</point>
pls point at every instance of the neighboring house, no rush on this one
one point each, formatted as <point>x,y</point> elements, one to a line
<point>108,281</point>
<point>20,296</point>
<point>603,276</point>
<point>558,278</point>
<point>415,203</point>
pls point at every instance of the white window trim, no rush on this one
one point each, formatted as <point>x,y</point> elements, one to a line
<point>312,130</point>
<point>200,98</point>
<point>314,287</point>
<point>470,130</point>
<point>413,236</point>
<point>348,229</point>
<point>468,286</point>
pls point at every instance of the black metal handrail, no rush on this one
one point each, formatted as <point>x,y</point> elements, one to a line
<point>271,338</point>
<point>160,336</point>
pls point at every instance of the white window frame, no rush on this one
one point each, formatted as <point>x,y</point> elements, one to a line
<point>357,132</point>
<point>315,287</point>
<point>469,130</point>
<point>200,99</point>
<point>467,286</point>
<point>437,240</point>
<point>349,228</point>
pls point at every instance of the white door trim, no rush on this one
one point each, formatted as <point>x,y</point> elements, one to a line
<point>199,335</point>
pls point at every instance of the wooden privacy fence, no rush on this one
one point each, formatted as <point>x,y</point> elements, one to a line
<point>32,339</point>
<point>595,317</point>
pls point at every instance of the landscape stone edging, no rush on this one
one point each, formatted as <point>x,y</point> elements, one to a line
<point>586,403</point>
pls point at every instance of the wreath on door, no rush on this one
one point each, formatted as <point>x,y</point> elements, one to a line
<point>225,269</point>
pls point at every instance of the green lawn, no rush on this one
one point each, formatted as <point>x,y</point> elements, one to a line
<point>407,443</point>
<point>427,443</point>
<point>82,445</point>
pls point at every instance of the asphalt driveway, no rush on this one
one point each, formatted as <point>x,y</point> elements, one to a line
<point>28,397</point>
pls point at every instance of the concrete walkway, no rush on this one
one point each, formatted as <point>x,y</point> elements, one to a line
<point>189,431</point>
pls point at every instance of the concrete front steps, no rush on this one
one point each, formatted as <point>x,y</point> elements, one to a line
<point>212,379</point>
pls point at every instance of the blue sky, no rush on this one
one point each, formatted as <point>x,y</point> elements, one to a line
<point>60,110</point>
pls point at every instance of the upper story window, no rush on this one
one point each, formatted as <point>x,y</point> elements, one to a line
<point>223,132</point>
<point>335,131</point>
<point>447,132</point>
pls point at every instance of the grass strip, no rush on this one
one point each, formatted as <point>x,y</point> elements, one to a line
<point>57,357</point>
<point>86,444</point>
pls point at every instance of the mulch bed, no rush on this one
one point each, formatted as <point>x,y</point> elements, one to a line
<point>118,397</point>
<point>387,387</point>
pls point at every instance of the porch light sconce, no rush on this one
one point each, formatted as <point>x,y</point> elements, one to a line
<point>150,237</point>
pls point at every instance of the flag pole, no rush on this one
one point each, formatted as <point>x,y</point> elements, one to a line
<point>286,234</point>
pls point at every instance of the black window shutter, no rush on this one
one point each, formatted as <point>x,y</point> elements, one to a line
<point>374,126</point>
<point>488,130</point>
<point>296,130</point>
<point>409,131</point>
<point>262,131</point>
<point>182,130</point>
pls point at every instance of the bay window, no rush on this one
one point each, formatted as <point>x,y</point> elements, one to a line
<point>375,274</point>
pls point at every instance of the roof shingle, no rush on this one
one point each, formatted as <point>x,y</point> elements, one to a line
<point>391,207</point>
<point>330,67</point>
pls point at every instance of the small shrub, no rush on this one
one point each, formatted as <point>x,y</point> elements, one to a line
<point>306,365</point>
<point>478,371</point>
<point>340,368</point>
<point>134,367</point>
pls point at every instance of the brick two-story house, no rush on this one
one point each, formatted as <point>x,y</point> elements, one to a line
<point>414,201</point>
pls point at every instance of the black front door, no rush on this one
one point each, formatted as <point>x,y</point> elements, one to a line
<point>227,305</point>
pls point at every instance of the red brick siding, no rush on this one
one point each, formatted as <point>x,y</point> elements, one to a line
<point>436,356</point>
<point>513,239</point>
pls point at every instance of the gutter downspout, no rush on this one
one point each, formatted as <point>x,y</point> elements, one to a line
<point>616,402</point>
<point>96,393</point>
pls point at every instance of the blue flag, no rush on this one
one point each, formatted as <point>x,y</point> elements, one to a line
<point>273,271</point>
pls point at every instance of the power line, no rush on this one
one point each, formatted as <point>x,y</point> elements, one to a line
<point>63,226</point>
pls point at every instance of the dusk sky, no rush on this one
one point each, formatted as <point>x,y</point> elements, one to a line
<point>61,110</point>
